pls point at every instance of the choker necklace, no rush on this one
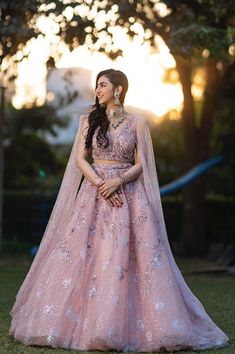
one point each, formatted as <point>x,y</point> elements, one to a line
<point>116,116</point>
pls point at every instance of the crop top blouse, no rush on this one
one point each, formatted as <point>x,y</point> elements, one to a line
<point>121,144</point>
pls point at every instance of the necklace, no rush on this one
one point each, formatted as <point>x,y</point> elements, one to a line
<point>116,116</point>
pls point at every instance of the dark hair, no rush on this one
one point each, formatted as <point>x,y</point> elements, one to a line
<point>97,116</point>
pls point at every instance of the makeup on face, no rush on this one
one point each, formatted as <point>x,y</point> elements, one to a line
<point>104,90</point>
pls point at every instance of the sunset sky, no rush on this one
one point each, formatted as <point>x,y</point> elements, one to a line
<point>144,67</point>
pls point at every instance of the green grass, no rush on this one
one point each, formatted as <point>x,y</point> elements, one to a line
<point>217,294</point>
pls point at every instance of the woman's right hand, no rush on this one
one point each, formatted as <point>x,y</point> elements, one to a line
<point>116,200</point>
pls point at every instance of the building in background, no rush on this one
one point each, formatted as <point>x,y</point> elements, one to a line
<point>70,90</point>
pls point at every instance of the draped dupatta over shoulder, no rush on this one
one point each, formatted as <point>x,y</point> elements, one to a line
<point>60,216</point>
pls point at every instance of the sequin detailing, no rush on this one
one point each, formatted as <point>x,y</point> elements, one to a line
<point>109,283</point>
<point>121,147</point>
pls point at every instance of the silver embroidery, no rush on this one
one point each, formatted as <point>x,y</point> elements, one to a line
<point>66,283</point>
<point>140,324</point>
<point>48,310</point>
<point>159,305</point>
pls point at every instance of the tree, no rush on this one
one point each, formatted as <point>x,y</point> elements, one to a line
<point>18,25</point>
<point>27,152</point>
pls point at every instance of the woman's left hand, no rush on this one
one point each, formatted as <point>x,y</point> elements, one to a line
<point>109,187</point>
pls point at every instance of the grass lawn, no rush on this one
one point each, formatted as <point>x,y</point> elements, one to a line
<point>217,294</point>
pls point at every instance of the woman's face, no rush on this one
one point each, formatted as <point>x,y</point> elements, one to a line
<point>104,90</point>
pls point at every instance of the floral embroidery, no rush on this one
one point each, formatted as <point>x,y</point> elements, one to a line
<point>49,310</point>
<point>72,315</point>
<point>121,150</point>
<point>67,282</point>
<point>159,305</point>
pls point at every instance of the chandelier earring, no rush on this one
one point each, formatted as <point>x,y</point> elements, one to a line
<point>117,100</point>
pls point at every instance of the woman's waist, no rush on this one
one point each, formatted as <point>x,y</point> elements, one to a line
<point>107,161</point>
<point>110,164</point>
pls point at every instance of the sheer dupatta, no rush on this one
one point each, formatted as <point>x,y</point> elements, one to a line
<point>149,175</point>
<point>150,181</point>
<point>60,216</point>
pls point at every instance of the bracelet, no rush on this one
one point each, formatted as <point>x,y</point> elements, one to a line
<point>123,179</point>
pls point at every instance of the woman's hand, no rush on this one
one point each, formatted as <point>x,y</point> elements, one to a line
<point>116,200</point>
<point>114,197</point>
<point>109,187</point>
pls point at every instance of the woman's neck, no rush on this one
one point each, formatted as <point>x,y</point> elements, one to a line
<point>114,110</point>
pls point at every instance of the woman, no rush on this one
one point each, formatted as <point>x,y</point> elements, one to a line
<point>104,277</point>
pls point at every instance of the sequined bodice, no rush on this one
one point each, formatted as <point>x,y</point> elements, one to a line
<point>121,144</point>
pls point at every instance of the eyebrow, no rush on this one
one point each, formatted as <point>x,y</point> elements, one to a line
<point>103,82</point>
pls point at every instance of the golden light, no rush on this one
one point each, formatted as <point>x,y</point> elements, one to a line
<point>144,67</point>
<point>231,50</point>
<point>30,83</point>
<point>198,84</point>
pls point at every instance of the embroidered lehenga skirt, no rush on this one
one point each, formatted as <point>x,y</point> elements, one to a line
<point>108,283</point>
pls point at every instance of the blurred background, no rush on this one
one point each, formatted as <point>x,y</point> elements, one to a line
<point>179,59</point>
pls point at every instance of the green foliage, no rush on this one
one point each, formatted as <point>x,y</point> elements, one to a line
<point>28,155</point>
<point>18,24</point>
<point>187,27</point>
<point>15,28</point>
<point>167,140</point>
<point>215,41</point>
<point>199,25</point>
<point>38,119</point>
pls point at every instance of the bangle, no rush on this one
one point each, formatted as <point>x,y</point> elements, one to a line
<point>123,179</point>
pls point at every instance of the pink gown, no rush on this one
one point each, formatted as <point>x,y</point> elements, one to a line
<point>109,283</point>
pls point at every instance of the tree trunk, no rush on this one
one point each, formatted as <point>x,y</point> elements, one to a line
<point>196,151</point>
